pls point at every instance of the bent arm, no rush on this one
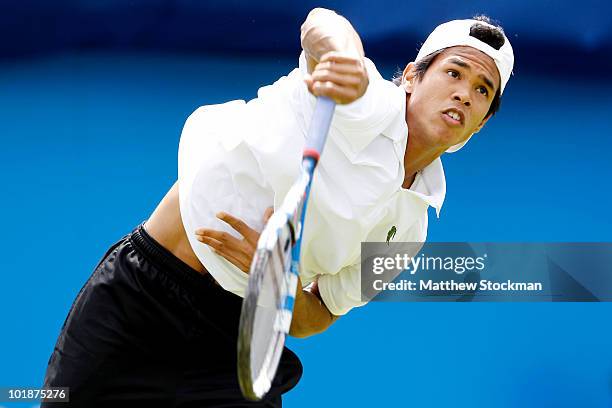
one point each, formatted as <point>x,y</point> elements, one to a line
<point>324,31</point>
<point>310,315</point>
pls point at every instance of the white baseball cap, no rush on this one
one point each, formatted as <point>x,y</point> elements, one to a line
<point>457,33</point>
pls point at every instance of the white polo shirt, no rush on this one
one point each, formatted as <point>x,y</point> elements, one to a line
<point>242,157</point>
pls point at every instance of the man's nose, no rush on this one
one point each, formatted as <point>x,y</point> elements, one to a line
<point>462,97</point>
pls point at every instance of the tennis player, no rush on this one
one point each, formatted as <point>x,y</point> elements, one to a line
<point>156,323</point>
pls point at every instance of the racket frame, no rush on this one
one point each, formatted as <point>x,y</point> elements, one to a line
<point>288,219</point>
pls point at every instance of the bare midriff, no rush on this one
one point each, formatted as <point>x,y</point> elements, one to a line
<point>166,227</point>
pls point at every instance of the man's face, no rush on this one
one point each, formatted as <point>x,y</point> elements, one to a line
<point>451,100</point>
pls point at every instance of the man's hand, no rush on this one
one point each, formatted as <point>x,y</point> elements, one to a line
<point>335,57</point>
<point>237,251</point>
<point>339,76</point>
<point>310,315</point>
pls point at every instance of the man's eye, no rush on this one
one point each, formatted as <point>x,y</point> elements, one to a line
<point>483,90</point>
<point>453,74</point>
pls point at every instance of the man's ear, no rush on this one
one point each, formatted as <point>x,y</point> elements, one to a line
<point>480,126</point>
<point>409,77</point>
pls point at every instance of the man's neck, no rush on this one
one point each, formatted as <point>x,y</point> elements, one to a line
<point>417,155</point>
<point>416,158</point>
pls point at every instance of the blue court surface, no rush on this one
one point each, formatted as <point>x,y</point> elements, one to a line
<point>89,144</point>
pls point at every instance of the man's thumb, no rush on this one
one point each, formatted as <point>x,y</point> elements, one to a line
<point>268,213</point>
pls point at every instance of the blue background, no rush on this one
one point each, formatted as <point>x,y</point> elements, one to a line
<point>93,96</point>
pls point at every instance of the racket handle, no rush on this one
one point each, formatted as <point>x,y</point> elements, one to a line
<point>319,127</point>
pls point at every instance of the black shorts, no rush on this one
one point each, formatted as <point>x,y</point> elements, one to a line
<point>148,330</point>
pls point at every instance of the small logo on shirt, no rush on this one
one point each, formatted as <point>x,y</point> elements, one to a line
<point>391,234</point>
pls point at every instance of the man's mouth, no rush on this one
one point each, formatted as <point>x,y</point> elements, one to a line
<point>454,116</point>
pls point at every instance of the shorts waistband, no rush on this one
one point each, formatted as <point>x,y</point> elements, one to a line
<point>188,276</point>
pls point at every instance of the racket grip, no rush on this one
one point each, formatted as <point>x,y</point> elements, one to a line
<point>319,127</point>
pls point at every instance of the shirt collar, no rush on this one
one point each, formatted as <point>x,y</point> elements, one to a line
<point>430,185</point>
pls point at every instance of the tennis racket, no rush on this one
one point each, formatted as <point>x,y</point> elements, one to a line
<point>267,307</point>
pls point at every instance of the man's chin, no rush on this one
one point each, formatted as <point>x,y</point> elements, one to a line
<point>445,139</point>
<point>439,135</point>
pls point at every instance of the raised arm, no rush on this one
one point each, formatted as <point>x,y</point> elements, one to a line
<point>334,53</point>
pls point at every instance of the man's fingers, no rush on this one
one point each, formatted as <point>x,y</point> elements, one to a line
<point>237,251</point>
<point>247,232</point>
<point>219,239</point>
<point>213,243</point>
<point>340,57</point>
<point>230,252</point>
<point>337,93</point>
<point>240,264</point>
<point>222,236</point>
<point>234,222</point>
<point>222,241</point>
<point>308,81</point>
<point>340,77</point>
<point>324,75</point>
<point>341,68</point>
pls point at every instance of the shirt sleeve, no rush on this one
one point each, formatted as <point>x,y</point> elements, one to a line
<point>342,291</point>
<point>358,123</point>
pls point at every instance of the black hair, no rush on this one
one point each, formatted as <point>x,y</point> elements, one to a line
<point>491,34</point>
